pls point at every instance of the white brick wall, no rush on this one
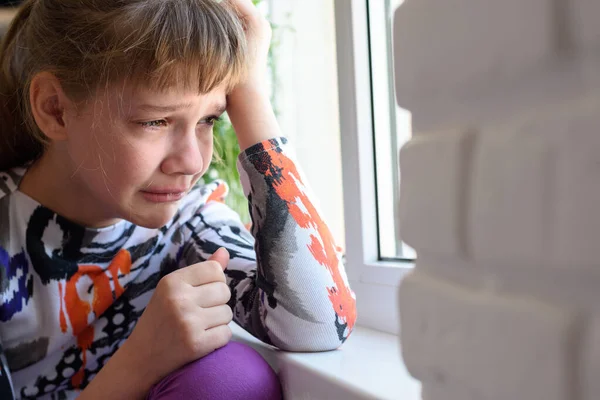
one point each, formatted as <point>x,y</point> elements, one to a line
<point>440,42</point>
<point>493,346</point>
<point>467,62</point>
<point>501,197</point>
<point>520,223</point>
<point>585,22</point>
<point>445,156</point>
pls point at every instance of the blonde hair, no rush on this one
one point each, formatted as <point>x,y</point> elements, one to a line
<point>89,44</point>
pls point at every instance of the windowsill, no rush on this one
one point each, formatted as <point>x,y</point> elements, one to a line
<point>368,366</point>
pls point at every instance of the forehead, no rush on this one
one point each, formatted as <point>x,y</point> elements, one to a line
<point>131,97</point>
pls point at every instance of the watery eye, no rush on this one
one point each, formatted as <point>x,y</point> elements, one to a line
<point>211,120</point>
<point>154,124</point>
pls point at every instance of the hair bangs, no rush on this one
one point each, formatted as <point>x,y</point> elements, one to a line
<point>190,44</point>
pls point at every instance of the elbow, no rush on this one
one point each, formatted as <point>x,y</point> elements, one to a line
<point>318,329</point>
<point>327,334</point>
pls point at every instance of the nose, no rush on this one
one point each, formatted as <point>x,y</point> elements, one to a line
<point>185,156</point>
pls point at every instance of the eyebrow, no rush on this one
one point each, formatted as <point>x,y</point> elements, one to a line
<point>219,108</point>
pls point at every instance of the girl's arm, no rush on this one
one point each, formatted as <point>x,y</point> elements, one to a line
<point>251,114</point>
<point>287,278</point>
<point>288,281</point>
<point>292,290</point>
<point>121,378</point>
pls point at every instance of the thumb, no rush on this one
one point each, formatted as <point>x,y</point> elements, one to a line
<point>221,256</point>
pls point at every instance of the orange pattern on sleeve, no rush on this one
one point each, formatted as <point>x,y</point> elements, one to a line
<point>322,245</point>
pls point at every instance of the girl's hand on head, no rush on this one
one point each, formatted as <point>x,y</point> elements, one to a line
<point>248,104</point>
<point>186,318</point>
<point>258,36</point>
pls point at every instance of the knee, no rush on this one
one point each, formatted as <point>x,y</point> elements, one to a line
<point>235,371</point>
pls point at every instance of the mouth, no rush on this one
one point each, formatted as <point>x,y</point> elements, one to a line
<point>164,195</point>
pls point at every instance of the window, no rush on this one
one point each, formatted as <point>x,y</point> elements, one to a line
<point>332,107</point>
<point>391,128</point>
<point>372,130</point>
<point>306,98</point>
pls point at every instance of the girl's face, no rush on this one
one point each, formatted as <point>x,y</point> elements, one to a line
<point>135,154</point>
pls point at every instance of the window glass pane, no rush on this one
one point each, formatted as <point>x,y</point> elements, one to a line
<point>392,129</point>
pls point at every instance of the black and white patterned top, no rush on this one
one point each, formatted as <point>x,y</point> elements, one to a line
<point>71,295</point>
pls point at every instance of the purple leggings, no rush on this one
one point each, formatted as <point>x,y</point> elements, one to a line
<point>235,371</point>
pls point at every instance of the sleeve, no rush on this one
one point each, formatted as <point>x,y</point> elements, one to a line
<point>6,389</point>
<point>289,287</point>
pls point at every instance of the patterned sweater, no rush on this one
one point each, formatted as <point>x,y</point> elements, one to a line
<point>71,295</point>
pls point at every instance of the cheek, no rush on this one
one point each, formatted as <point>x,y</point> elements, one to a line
<point>135,163</point>
<point>106,159</point>
<point>207,149</point>
<point>82,146</point>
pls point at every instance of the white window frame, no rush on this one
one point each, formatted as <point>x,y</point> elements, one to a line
<point>375,282</point>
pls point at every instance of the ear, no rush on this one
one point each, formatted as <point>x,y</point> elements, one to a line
<point>49,105</point>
